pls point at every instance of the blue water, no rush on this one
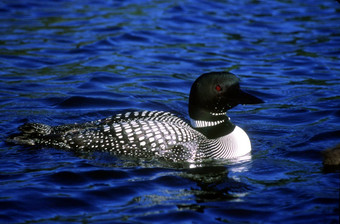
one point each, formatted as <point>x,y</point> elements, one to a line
<point>75,61</point>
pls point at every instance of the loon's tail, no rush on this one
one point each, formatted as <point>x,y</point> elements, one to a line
<point>31,134</point>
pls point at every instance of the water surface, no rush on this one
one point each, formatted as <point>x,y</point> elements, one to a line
<point>75,61</point>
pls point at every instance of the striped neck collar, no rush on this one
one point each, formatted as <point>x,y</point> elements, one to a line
<point>213,129</point>
<point>204,124</point>
<point>220,118</point>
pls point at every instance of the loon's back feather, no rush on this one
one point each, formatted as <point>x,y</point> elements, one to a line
<point>138,134</point>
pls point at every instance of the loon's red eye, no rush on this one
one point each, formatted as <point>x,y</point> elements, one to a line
<point>218,88</point>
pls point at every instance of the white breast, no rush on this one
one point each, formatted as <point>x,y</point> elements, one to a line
<point>236,144</point>
<point>230,146</point>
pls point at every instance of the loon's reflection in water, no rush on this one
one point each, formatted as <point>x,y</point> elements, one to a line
<point>210,180</point>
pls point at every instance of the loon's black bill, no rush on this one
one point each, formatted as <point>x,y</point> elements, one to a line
<point>246,98</point>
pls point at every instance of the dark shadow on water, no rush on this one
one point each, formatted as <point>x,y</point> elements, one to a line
<point>213,184</point>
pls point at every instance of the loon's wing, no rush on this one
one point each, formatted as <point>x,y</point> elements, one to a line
<point>139,134</point>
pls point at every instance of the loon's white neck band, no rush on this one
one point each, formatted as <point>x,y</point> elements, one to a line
<point>218,114</point>
<point>203,124</point>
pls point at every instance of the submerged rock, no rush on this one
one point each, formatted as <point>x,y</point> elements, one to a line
<point>331,158</point>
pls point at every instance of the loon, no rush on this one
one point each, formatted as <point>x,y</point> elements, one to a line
<point>158,134</point>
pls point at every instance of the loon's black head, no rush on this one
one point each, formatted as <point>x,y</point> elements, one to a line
<point>212,94</point>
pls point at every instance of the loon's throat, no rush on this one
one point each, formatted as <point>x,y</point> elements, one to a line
<point>213,129</point>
